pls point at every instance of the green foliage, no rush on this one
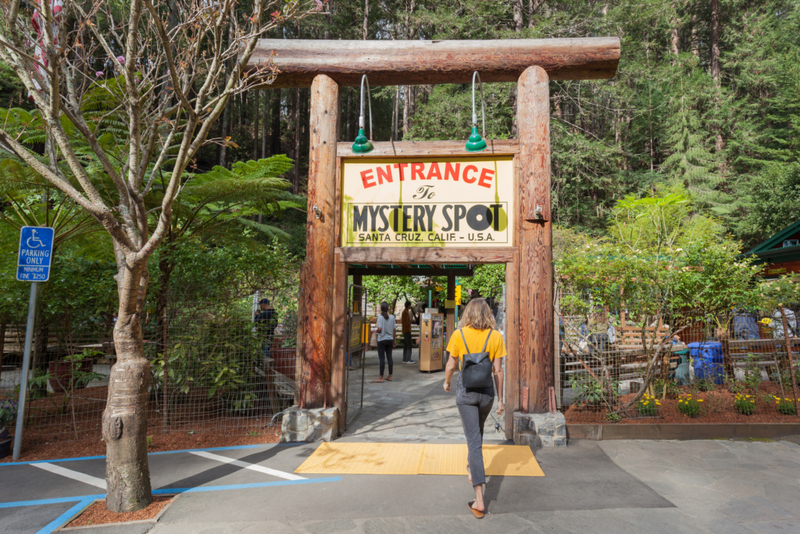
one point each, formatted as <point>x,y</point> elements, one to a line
<point>612,417</point>
<point>593,392</point>
<point>745,404</point>
<point>752,374</point>
<point>672,388</point>
<point>218,356</point>
<point>8,411</point>
<point>688,405</point>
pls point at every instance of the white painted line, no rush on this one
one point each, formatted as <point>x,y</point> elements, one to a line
<point>74,475</point>
<point>252,467</point>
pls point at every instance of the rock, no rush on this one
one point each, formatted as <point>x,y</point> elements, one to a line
<point>540,429</point>
<point>308,425</point>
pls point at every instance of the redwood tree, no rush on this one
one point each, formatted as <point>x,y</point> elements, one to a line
<point>169,69</point>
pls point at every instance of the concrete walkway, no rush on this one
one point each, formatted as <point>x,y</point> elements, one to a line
<point>615,487</point>
<point>412,407</point>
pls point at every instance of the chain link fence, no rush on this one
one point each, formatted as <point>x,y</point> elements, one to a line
<point>212,370</point>
<point>612,366</point>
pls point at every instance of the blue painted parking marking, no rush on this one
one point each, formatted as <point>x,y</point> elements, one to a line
<point>66,516</point>
<point>82,501</point>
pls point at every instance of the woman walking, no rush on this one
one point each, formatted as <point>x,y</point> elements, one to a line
<point>386,340</point>
<point>476,330</point>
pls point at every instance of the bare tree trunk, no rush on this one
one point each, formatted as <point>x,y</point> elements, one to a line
<point>715,66</point>
<point>125,416</point>
<point>256,117</point>
<point>365,29</point>
<point>395,111</point>
<point>517,14</point>
<point>265,125</point>
<point>275,129</point>
<point>223,149</point>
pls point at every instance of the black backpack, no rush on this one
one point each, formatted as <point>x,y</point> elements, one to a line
<point>477,368</point>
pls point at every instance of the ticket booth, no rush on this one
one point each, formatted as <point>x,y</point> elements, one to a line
<point>431,341</point>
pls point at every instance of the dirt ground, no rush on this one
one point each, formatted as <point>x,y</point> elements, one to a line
<point>54,432</point>
<point>716,407</point>
<point>97,514</point>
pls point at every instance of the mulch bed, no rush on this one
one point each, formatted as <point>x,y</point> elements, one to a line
<point>51,435</point>
<point>717,407</point>
<point>97,514</point>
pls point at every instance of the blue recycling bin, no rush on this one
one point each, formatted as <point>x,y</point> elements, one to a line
<point>708,360</point>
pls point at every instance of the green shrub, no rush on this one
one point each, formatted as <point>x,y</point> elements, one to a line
<point>785,405</point>
<point>688,405</point>
<point>745,404</point>
<point>647,405</point>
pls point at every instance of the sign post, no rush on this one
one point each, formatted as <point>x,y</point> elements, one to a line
<point>33,265</point>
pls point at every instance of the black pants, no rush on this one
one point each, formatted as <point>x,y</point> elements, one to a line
<point>474,406</point>
<point>385,353</point>
<point>407,341</point>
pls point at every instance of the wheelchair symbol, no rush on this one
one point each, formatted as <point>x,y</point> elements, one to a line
<point>37,243</point>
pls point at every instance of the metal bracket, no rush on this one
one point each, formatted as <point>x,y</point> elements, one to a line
<point>318,213</point>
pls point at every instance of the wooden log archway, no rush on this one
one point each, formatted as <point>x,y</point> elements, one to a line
<point>328,65</point>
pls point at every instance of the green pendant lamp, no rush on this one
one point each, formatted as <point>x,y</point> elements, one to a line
<point>363,145</point>
<point>476,143</point>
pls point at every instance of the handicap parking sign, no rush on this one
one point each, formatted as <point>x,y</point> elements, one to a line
<point>35,254</point>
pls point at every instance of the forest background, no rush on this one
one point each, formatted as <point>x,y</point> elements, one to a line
<point>706,97</point>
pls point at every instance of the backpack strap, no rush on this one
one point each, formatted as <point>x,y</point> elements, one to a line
<point>466,348</point>
<point>486,344</point>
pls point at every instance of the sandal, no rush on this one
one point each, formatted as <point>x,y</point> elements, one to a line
<point>477,513</point>
<point>377,381</point>
<point>389,378</point>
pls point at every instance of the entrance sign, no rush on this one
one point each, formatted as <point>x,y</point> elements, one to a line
<point>35,254</point>
<point>428,202</point>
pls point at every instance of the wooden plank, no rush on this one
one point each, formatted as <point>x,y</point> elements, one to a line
<point>495,147</point>
<point>536,265</point>
<point>414,62</point>
<point>415,255</point>
<point>320,235</point>
<point>410,271</point>
<point>512,387</point>
<point>338,342</point>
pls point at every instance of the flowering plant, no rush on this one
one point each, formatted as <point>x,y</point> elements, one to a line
<point>8,410</point>
<point>745,404</point>
<point>688,405</point>
<point>648,405</point>
<point>784,405</point>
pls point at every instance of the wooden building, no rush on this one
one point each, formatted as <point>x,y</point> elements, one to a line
<point>780,254</point>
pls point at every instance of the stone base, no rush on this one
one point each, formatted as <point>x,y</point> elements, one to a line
<point>540,429</point>
<point>308,425</point>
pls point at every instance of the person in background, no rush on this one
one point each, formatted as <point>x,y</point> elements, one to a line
<point>477,329</point>
<point>407,319</point>
<point>386,340</point>
<point>266,320</point>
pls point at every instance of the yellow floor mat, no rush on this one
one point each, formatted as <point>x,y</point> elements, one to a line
<point>417,459</point>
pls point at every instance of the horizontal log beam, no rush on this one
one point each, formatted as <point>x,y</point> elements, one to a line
<point>430,148</point>
<point>414,255</point>
<point>434,62</point>
<point>410,271</point>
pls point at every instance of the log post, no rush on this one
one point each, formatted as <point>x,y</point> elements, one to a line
<point>339,340</point>
<point>318,293</point>
<point>513,330</point>
<point>535,240</point>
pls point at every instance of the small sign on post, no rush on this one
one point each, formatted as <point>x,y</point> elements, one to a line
<point>33,265</point>
<point>35,254</point>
